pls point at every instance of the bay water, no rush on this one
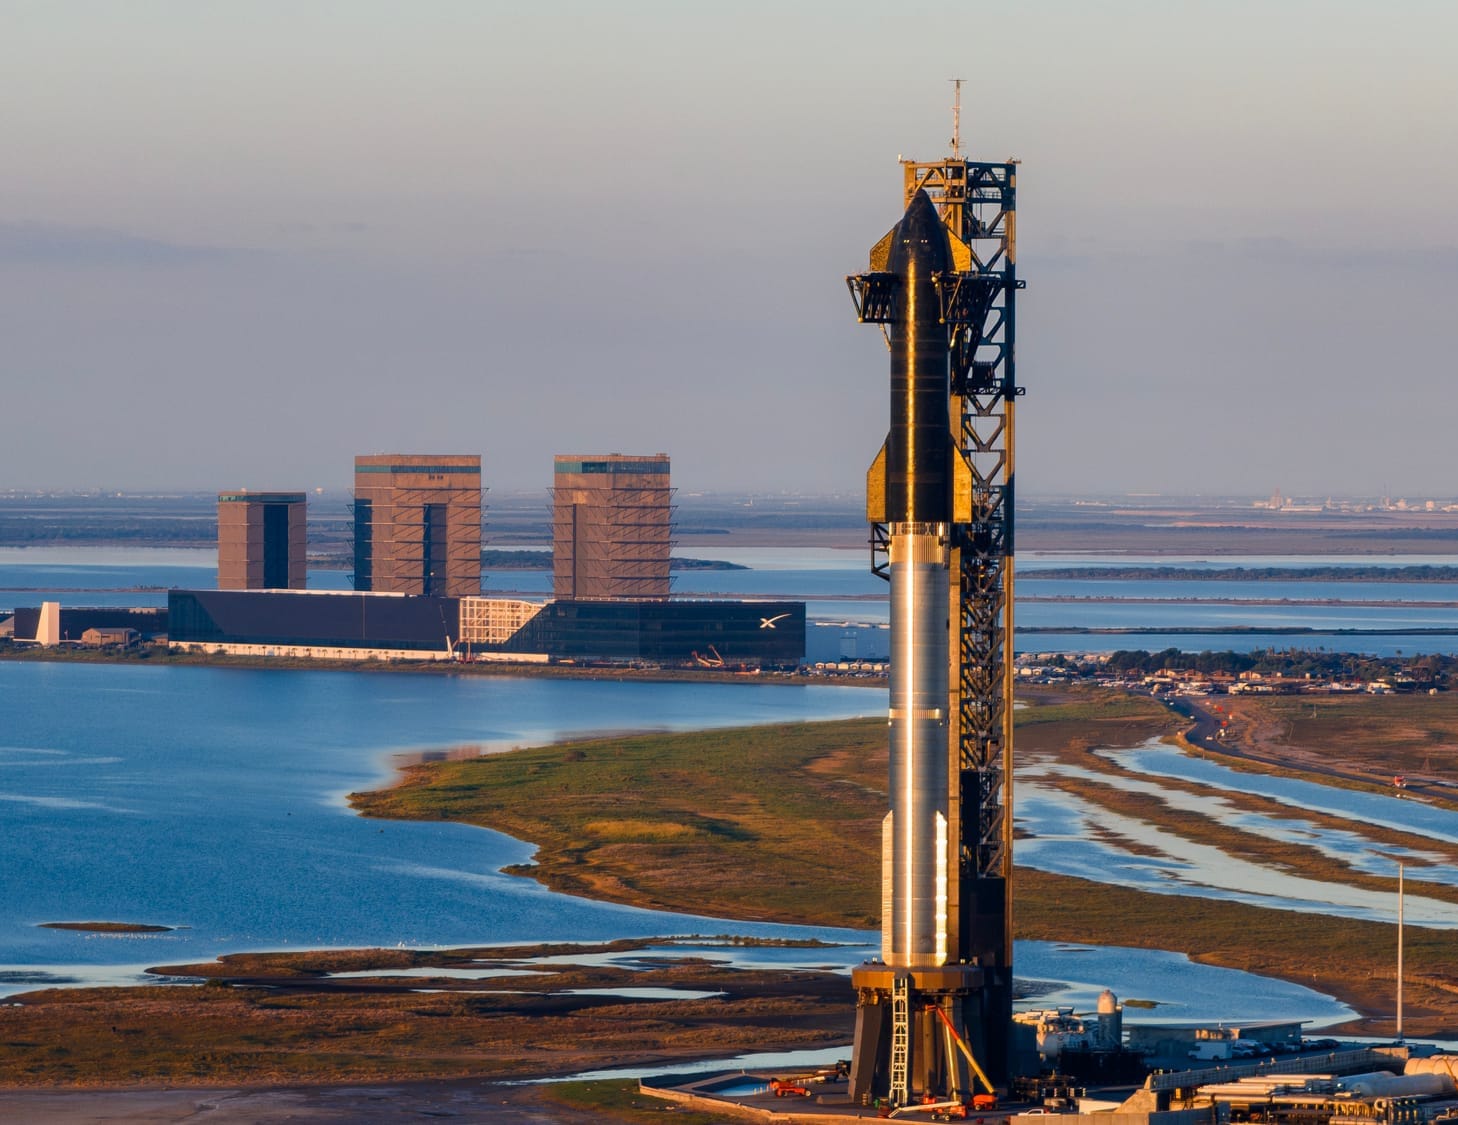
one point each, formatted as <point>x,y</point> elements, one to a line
<point>212,800</point>
<point>848,609</point>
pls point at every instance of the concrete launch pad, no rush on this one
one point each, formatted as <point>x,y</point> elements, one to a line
<point>750,1096</point>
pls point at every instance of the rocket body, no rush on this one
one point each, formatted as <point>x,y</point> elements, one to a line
<point>939,499</point>
<point>917,468</point>
<point>915,855</point>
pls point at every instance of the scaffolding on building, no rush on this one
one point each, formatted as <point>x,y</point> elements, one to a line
<point>417,524</point>
<point>494,621</point>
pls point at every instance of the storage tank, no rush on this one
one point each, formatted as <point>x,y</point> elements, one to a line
<point>1434,1064</point>
<point>1381,1084</point>
<point>1109,1035</point>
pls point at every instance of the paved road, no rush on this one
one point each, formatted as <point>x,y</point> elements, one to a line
<point>1204,732</point>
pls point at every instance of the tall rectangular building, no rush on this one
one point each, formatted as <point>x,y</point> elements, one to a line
<point>417,524</point>
<point>262,540</point>
<point>612,523</point>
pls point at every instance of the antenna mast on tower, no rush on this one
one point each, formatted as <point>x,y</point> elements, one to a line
<point>956,118</point>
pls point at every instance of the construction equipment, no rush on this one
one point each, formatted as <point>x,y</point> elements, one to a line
<point>937,1111</point>
<point>954,1108</point>
<point>966,1050</point>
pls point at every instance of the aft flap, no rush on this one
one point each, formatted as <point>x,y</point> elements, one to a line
<point>876,487</point>
<point>881,252</point>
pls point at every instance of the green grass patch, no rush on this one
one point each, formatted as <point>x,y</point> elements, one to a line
<point>724,822</point>
<point>639,831</point>
<point>621,1100</point>
<point>783,823</point>
<point>774,823</point>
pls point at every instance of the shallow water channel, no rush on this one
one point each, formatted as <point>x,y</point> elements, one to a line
<point>1070,835</point>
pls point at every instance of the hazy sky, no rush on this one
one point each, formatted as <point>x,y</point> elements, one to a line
<point>241,242</point>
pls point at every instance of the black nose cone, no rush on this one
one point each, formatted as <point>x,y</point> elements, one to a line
<point>920,238</point>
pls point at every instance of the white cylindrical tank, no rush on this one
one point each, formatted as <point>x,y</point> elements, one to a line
<point>1381,1084</point>
<point>1435,1064</point>
<point>1110,1033</point>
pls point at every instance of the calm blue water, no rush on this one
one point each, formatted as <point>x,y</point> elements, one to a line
<point>116,576</point>
<point>801,574</point>
<point>1198,616</point>
<point>1396,645</point>
<point>837,586</point>
<point>212,799</point>
<point>110,576</point>
<point>1402,814</point>
<point>1071,836</point>
<point>1030,585</point>
<point>1044,560</point>
<point>1183,989</point>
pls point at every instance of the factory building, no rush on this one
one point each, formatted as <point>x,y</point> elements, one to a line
<point>360,626</point>
<point>262,540</point>
<point>612,522</point>
<point>417,524</point>
<point>706,634</point>
<point>368,624</point>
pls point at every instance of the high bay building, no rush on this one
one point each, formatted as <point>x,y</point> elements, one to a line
<point>417,524</point>
<point>262,540</point>
<point>612,527</point>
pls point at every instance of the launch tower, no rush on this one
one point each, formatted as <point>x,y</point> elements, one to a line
<point>939,497</point>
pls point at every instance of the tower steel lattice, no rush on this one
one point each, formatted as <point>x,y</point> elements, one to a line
<point>978,202</point>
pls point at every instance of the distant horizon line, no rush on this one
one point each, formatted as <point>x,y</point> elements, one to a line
<point>747,493</point>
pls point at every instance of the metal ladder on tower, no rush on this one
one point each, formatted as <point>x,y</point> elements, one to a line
<point>900,1038</point>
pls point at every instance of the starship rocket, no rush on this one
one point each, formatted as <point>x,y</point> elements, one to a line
<point>932,998</point>
<point>915,477</point>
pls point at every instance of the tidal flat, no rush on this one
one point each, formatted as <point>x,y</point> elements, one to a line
<point>765,823</point>
<point>736,823</point>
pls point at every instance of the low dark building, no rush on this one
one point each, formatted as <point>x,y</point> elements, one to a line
<point>707,633</point>
<point>725,634</point>
<point>315,619</point>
